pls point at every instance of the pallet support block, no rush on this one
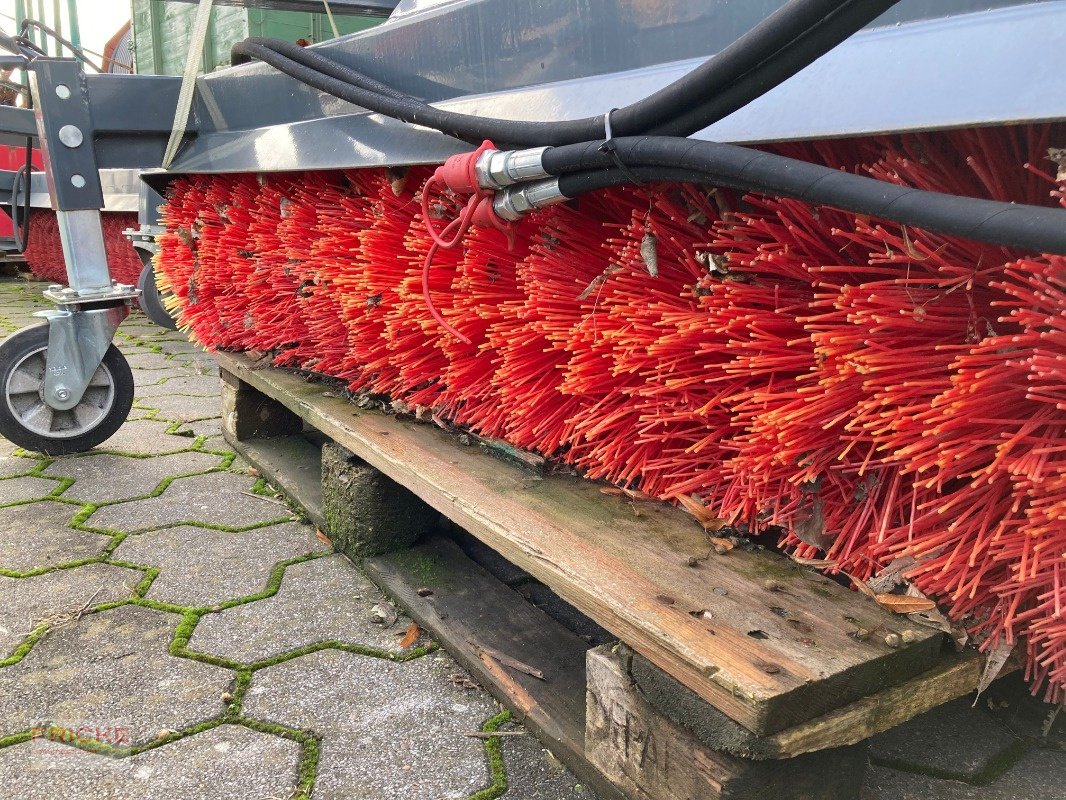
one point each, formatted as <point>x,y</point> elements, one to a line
<point>250,414</point>
<point>649,757</point>
<point>367,513</point>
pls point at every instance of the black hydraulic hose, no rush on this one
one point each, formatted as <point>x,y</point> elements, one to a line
<point>786,62</point>
<point>320,63</point>
<point>1012,225</point>
<point>20,223</point>
<point>755,52</point>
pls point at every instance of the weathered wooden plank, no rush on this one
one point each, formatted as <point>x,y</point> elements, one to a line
<point>650,757</point>
<point>291,463</point>
<point>761,639</point>
<point>468,611</point>
<point>959,675</point>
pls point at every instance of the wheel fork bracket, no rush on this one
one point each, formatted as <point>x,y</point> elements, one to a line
<point>77,342</point>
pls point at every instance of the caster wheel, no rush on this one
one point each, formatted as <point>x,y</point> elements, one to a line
<point>29,422</point>
<point>152,299</point>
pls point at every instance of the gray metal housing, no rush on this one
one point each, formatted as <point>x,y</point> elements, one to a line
<point>927,64</point>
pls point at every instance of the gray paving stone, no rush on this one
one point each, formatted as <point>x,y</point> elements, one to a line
<point>150,362</point>
<point>13,465</point>
<point>56,597</point>
<point>37,535</point>
<point>145,437</point>
<point>13,490</point>
<point>217,443</point>
<point>202,567</point>
<point>193,385</point>
<point>179,408</point>
<point>396,731</point>
<point>111,668</point>
<point>130,348</point>
<point>204,427</point>
<point>229,761</point>
<point>320,600</point>
<point>183,347</point>
<point>535,774</point>
<point>955,740</point>
<point>1039,775</point>
<point>107,478</point>
<point>151,377</point>
<point>220,498</point>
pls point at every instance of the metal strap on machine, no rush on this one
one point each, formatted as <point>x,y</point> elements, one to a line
<point>332,22</point>
<point>188,81</point>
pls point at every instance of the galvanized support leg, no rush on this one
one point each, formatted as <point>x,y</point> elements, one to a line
<point>92,308</point>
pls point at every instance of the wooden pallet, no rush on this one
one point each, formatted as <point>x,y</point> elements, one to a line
<point>764,647</point>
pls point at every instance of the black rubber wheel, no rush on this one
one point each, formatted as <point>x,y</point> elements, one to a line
<point>26,420</point>
<point>151,298</point>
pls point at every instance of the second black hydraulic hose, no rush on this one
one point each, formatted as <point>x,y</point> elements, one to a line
<point>1034,228</point>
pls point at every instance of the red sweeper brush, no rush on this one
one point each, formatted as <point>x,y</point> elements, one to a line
<point>875,392</point>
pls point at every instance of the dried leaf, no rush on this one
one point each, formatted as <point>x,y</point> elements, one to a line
<point>719,542</point>
<point>612,491</point>
<point>637,494</point>
<point>892,575</point>
<point>253,472</point>
<point>862,587</point>
<point>409,638</point>
<point>902,604</point>
<point>322,537</point>
<point>811,529</point>
<point>649,252</point>
<point>817,563</point>
<point>994,663</point>
<point>460,681</point>
<point>704,516</point>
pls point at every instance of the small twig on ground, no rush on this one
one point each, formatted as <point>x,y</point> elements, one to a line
<point>507,661</point>
<point>268,499</point>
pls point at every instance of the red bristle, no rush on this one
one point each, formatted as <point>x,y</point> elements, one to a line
<point>44,251</point>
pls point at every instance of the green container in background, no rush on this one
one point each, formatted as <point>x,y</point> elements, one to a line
<point>161,31</point>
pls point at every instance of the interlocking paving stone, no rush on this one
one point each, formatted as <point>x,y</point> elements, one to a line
<point>37,535</point>
<point>220,498</point>
<point>111,668</point>
<point>13,465</point>
<point>955,740</point>
<point>150,362</point>
<point>179,408</point>
<point>150,377</point>
<point>106,478</point>
<point>229,761</point>
<point>55,596</point>
<point>202,567</point>
<point>320,600</point>
<point>1039,775</point>
<point>535,774</point>
<point>13,490</point>
<point>395,731</point>
<point>194,385</point>
<point>204,427</point>
<point>145,437</point>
